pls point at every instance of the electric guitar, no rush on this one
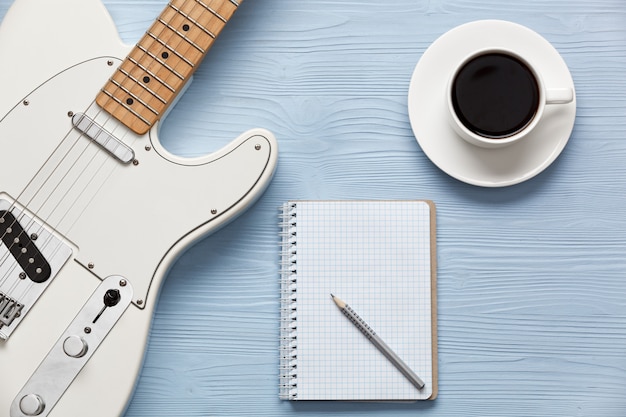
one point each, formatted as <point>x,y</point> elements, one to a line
<point>93,209</point>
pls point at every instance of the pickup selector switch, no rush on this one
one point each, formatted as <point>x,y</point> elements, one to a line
<point>75,346</point>
<point>112,297</point>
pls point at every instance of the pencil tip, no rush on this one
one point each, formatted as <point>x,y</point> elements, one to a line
<point>331,295</point>
<point>338,301</point>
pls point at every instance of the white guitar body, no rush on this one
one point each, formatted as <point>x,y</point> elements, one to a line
<point>128,221</point>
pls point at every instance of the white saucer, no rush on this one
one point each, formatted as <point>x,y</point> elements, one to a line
<point>472,164</point>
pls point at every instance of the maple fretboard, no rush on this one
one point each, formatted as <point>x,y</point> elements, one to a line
<point>158,67</point>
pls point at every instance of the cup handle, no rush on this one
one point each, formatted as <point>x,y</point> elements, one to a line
<point>559,95</point>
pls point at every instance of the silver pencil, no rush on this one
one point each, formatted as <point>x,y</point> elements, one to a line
<point>378,342</point>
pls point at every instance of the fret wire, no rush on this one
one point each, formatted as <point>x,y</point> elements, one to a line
<point>171,49</point>
<point>139,83</point>
<point>212,11</point>
<point>166,85</point>
<point>133,95</point>
<point>192,20</point>
<point>161,62</point>
<point>210,18</point>
<point>121,103</point>
<point>182,35</point>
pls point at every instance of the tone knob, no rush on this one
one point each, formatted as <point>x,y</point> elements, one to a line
<point>32,405</point>
<point>75,346</point>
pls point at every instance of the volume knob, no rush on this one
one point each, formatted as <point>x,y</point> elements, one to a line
<point>32,405</point>
<point>75,346</point>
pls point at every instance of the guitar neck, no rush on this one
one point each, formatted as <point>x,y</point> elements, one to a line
<point>156,70</point>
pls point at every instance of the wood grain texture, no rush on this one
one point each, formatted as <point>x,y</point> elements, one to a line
<point>532,278</point>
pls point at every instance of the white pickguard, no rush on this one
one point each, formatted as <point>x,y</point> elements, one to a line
<point>130,220</point>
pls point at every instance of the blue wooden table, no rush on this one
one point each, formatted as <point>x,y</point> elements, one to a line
<point>531,278</point>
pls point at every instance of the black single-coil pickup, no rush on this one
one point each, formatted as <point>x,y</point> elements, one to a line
<point>23,249</point>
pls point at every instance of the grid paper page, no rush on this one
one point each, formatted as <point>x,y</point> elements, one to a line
<point>375,256</point>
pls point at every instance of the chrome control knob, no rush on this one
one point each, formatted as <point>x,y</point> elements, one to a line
<point>32,405</point>
<point>75,346</point>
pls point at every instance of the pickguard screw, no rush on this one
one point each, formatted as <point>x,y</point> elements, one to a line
<point>213,211</point>
<point>139,302</point>
<point>110,63</point>
<point>135,162</point>
<point>22,275</point>
<point>91,265</point>
<point>257,147</point>
<point>26,102</point>
<point>148,148</point>
<point>34,236</point>
<point>122,283</point>
<point>70,114</point>
<point>87,330</point>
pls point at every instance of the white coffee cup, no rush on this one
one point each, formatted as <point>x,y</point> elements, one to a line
<point>495,97</point>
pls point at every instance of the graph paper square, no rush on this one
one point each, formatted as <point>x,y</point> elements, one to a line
<point>376,256</point>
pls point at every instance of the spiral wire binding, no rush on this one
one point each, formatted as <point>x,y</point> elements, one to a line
<point>288,378</point>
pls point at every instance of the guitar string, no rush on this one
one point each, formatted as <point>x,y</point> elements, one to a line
<point>19,197</point>
<point>29,205</point>
<point>104,125</point>
<point>43,184</point>
<point>88,144</point>
<point>145,53</point>
<point>181,39</point>
<point>99,151</point>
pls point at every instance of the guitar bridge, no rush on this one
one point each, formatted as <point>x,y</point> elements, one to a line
<point>31,255</point>
<point>10,309</point>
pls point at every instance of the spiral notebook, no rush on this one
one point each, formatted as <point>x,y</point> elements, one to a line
<point>379,257</point>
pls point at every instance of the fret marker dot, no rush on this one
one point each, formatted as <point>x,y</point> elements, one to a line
<point>146,79</point>
<point>129,101</point>
<point>165,55</point>
<point>185,27</point>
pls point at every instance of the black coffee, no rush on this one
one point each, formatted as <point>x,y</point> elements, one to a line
<point>495,95</point>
